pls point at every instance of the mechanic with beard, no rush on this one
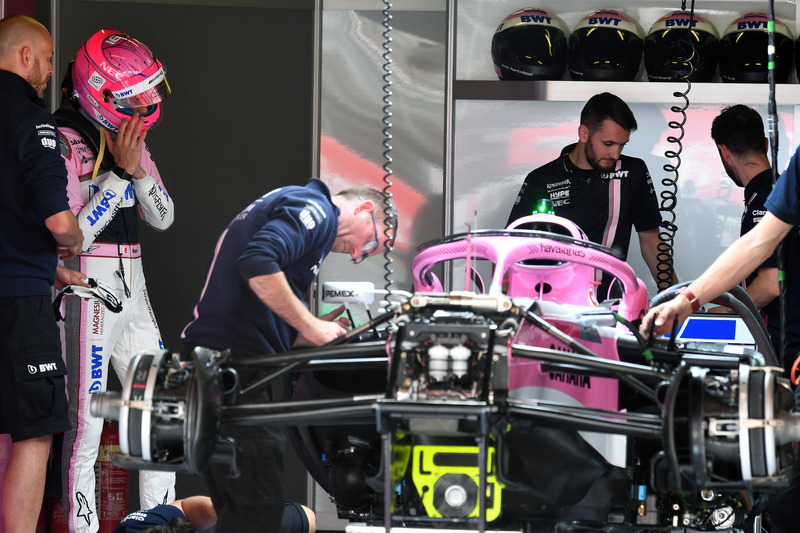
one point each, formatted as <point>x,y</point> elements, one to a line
<point>592,184</point>
<point>738,132</point>
<point>37,228</point>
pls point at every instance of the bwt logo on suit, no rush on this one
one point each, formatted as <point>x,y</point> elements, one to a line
<point>43,367</point>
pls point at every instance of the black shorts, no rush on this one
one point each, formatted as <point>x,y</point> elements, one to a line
<point>33,399</point>
<point>252,502</point>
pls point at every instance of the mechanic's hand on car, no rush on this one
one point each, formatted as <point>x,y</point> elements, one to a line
<point>662,316</point>
<point>325,329</point>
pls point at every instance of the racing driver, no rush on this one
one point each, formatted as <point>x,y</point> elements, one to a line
<point>112,94</point>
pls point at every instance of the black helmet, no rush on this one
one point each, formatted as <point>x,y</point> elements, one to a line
<point>669,45</point>
<point>605,46</point>
<point>530,44</point>
<point>743,50</point>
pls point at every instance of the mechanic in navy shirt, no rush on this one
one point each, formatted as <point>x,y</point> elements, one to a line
<point>738,132</point>
<point>36,222</point>
<point>740,258</point>
<point>602,191</point>
<point>738,261</point>
<point>196,513</point>
<point>252,303</point>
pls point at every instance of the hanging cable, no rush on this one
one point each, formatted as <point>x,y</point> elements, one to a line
<point>389,211</point>
<point>772,132</point>
<point>669,196</point>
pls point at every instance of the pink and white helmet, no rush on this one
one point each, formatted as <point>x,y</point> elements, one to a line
<point>113,73</point>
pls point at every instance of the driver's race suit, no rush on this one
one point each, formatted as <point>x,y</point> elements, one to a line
<point>107,209</point>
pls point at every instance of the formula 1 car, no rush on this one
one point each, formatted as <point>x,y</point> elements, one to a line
<point>520,404</point>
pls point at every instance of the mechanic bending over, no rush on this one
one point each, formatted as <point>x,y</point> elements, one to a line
<point>252,303</point>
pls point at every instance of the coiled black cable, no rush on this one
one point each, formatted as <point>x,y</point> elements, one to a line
<point>669,196</point>
<point>389,211</point>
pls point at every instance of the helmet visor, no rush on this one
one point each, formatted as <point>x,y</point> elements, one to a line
<point>145,93</point>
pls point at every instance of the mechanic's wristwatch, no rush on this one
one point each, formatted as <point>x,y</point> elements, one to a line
<point>123,174</point>
<point>695,303</point>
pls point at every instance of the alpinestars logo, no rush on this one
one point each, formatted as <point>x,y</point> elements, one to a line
<point>83,508</point>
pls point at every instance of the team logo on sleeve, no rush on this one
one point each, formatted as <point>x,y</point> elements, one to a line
<point>307,219</point>
<point>47,135</point>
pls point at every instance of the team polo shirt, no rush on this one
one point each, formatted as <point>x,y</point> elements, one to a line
<point>289,230</point>
<point>33,185</point>
<point>755,194</point>
<point>605,205</point>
